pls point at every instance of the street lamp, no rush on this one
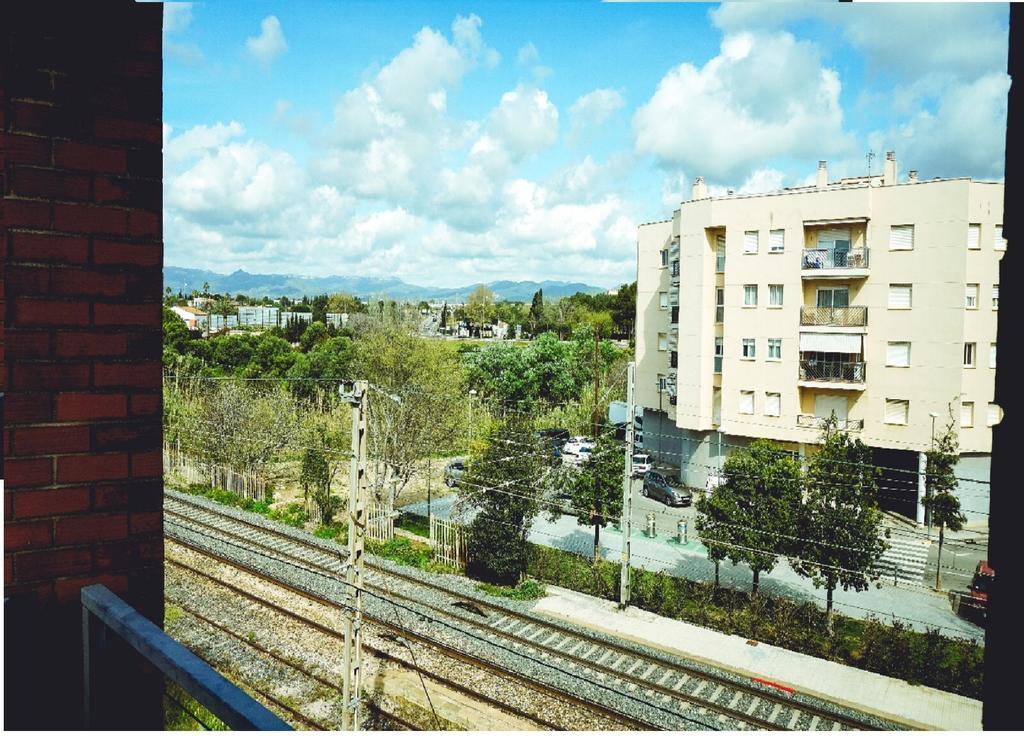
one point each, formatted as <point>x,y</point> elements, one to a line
<point>472,393</point>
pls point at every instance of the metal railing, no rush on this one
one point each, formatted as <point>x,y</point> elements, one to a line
<point>843,371</point>
<point>834,316</point>
<point>673,359</point>
<point>719,313</point>
<point>105,615</point>
<point>834,258</point>
<point>812,421</point>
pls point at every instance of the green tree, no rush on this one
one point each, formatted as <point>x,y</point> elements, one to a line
<point>176,335</point>
<point>755,512</point>
<point>505,488</point>
<point>480,305</point>
<point>272,357</point>
<point>940,483</point>
<point>536,315</point>
<point>444,316</point>
<point>840,526</point>
<point>293,329</point>
<point>715,510</point>
<point>326,443</point>
<point>595,490</point>
<point>313,335</point>
<point>623,310</point>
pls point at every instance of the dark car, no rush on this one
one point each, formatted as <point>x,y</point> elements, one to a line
<point>453,471</point>
<point>660,488</point>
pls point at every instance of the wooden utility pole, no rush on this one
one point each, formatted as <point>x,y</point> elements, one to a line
<point>352,682</point>
<point>627,490</point>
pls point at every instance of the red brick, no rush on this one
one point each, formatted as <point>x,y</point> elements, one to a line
<point>28,407</point>
<point>108,252</point>
<point>131,553</point>
<point>144,224</point>
<point>147,464</point>
<point>51,312</point>
<point>84,218</point>
<point>27,213</point>
<point>43,248</point>
<point>51,375</point>
<point>27,280</point>
<point>127,314</point>
<point>28,344</point>
<point>27,535</point>
<point>26,149</point>
<point>77,282</point>
<point>51,440</point>
<point>37,471</point>
<point>136,374</point>
<point>151,522</point>
<point>89,157</point>
<point>41,119</point>
<point>69,590</point>
<point>51,502</point>
<point>128,130</point>
<point>85,468</point>
<point>110,497</point>
<point>145,403</point>
<point>71,406</point>
<point>91,528</point>
<point>91,344</point>
<point>48,184</point>
<point>53,563</point>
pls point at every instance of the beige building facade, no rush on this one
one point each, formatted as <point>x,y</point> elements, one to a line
<point>761,315</point>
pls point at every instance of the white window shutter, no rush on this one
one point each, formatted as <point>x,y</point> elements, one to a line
<point>900,296</point>
<point>827,238</point>
<point>967,414</point>
<point>772,404</point>
<point>974,236</point>
<point>898,354</point>
<point>896,411</point>
<point>750,241</point>
<point>999,243</point>
<point>746,402</point>
<point>901,237</point>
<point>778,241</point>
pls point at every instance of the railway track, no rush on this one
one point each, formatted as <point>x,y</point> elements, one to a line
<point>653,690</point>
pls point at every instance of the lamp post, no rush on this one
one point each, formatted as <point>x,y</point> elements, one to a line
<point>472,393</point>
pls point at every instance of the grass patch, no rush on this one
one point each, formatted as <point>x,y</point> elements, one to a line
<point>405,551</point>
<point>414,523</point>
<point>527,590</point>
<point>182,712</point>
<point>335,531</point>
<point>928,658</point>
<point>172,614</point>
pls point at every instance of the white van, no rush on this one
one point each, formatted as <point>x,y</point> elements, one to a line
<point>641,464</point>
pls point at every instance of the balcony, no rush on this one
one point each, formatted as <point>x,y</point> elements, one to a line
<point>673,298</point>
<point>718,364</point>
<point>811,421</point>
<point>675,272</point>
<point>719,314</point>
<point>833,373</point>
<point>673,359</point>
<point>674,319</point>
<point>835,263</point>
<point>833,316</point>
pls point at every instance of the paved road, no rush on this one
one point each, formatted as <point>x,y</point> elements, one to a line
<point>917,605</point>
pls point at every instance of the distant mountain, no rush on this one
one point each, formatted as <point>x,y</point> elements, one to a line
<point>295,287</point>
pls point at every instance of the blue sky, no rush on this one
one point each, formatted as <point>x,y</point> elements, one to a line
<point>450,143</point>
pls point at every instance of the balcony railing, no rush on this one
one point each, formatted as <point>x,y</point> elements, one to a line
<point>675,273</point>
<point>673,359</point>
<point>833,258</point>
<point>839,371</point>
<point>719,314</point>
<point>811,421</point>
<point>834,316</point>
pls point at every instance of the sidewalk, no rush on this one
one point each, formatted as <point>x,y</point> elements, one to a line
<point>914,705</point>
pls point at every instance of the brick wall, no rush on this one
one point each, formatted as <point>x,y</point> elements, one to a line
<point>80,173</point>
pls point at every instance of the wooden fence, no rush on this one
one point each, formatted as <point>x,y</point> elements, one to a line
<point>380,521</point>
<point>449,541</point>
<point>190,470</point>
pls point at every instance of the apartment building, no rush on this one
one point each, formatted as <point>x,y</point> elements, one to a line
<point>761,315</point>
<point>259,316</point>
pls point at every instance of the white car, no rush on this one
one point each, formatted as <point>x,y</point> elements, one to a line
<point>577,450</point>
<point>641,464</point>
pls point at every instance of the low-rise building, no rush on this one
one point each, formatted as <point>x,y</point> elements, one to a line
<point>258,316</point>
<point>193,318</point>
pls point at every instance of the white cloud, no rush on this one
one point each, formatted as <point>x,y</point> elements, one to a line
<point>199,139</point>
<point>736,111</point>
<point>269,44</point>
<point>525,121</point>
<point>592,109</point>
<point>177,17</point>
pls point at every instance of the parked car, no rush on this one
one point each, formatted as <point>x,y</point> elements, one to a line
<point>453,471</point>
<point>666,490</point>
<point>577,450</point>
<point>641,464</point>
<point>974,605</point>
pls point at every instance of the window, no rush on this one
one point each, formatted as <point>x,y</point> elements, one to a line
<point>896,411</point>
<point>746,402</point>
<point>967,414</point>
<point>971,296</point>
<point>750,295</point>
<point>995,296</point>
<point>750,238</point>
<point>974,237</point>
<point>998,242</point>
<point>777,242</point>
<point>898,354</point>
<point>839,297</point>
<point>719,304</point>
<point>662,383</point>
<point>970,351</point>
<point>662,341</point>
<point>720,253</point>
<point>719,352</point>
<point>774,348</point>
<point>900,296</point>
<point>749,348</point>
<point>901,237</point>
<point>664,257</point>
<point>772,404</point>
<point>774,295</point>
<point>663,299</point>
<point>992,355</point>
<point>994,415</point>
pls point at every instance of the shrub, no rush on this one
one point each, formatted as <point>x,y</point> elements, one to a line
<point>527,590</point>
<point>292,514</point>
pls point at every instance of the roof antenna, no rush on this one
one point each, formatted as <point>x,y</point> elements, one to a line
<point>870,157</point>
